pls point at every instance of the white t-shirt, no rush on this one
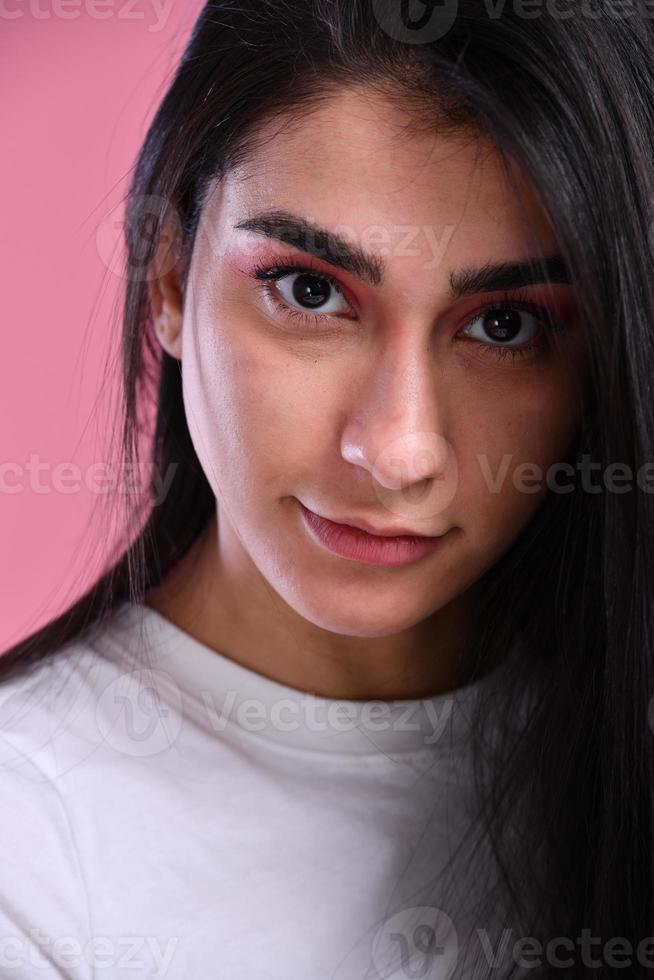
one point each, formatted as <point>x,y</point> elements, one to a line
<point>169,813</point>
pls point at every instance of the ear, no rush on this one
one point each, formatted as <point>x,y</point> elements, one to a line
<point>165,291</point>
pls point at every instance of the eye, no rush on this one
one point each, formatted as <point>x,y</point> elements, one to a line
<point>300,291</point>
<point>506,324</point>
<point>312,292</point>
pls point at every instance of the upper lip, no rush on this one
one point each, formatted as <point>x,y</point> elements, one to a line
<point>363,525</point>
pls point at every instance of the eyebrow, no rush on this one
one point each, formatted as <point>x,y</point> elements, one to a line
<point>331,247</point>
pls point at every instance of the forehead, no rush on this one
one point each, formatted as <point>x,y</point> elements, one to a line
<point>352,163</point>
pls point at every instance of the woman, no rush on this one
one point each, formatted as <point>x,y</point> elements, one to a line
<point>397,315</point>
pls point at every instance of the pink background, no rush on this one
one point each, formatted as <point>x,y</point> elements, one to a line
<point>81,84</point>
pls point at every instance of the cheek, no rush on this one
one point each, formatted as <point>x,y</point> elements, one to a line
<point>505,444</point>
<point>252,411</point>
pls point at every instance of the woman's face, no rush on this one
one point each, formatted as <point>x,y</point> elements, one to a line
<point>380,389</point>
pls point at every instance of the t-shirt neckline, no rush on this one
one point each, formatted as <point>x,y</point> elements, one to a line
<point>230,694</point>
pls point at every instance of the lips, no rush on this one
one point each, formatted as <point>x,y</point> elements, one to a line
<point>369,528</point>
<point>358,544</point>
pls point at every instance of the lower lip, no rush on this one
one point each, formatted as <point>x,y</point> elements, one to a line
<point>350,542</point>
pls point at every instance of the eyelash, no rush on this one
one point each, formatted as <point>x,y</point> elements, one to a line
<point>269,275</point>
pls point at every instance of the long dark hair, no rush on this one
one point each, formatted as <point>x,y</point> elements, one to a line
<point>571,98</point>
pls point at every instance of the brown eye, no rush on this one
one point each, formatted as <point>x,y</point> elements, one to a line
<point>502,325</point>
<point>313,292</point>
<point>505,326</point>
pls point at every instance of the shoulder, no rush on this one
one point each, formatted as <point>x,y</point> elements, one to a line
<point>56,712</point>
<point>94,702</point>
<point>49,736</point>
<point>50,705</point>
<point>43,899</point>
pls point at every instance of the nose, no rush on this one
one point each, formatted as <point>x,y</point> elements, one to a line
<point>396,429</point>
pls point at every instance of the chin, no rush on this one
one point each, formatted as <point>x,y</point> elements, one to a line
<point>359,618</point>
